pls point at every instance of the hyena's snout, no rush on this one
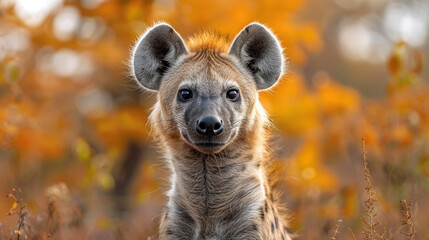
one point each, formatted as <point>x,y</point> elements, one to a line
<point>209,126</point>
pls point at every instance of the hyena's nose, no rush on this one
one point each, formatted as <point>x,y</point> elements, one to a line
<point>209,126</point>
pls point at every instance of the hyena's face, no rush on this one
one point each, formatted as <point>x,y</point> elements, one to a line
<point>208,99</point>
<point>207,96</point>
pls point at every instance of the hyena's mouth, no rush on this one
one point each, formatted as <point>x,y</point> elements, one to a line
<point>209,147</point>
<point>209,144</point>
<point>205,146</point>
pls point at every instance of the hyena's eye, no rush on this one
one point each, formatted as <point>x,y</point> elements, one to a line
<point>233,95</point>
<point>184,95</point>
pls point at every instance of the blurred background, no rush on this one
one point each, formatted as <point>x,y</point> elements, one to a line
<point>74,137</point>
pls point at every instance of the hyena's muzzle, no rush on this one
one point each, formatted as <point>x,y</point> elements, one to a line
<point>209,125</point>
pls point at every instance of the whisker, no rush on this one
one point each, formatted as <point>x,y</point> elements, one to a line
<point>244,120</point>
<point>166,120</point>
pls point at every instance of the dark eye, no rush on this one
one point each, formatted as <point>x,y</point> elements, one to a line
<point>233,95</point>
<point>185,94</point>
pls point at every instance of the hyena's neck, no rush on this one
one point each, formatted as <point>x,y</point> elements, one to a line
<point>220,176</point>
<point>225,188</point>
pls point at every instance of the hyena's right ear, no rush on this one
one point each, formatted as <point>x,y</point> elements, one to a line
<point>155,52</point>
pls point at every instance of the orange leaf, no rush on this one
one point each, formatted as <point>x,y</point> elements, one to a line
<point>394,64</point>
<point>419,63</point>
<point>14,205</point>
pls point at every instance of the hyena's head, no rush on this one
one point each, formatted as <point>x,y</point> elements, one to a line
<point>207,91</point>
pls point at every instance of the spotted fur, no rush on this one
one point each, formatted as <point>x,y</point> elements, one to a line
<point>223,192</point>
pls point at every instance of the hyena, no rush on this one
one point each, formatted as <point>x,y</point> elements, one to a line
<point>213,130</point>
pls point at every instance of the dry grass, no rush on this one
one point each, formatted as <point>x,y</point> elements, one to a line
<point>19,209</point>
<point>372,229</point>
<point>58,218</point>
<point>407,221</point>
<point>370,215</point>
<point>337,228</point>
<point>352,233</point>
<point>61,220</point>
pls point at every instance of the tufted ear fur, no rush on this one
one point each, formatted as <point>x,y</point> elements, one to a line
<point>259,51</point>
<point>155,52</point>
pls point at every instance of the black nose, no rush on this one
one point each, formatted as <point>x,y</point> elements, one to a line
<point>209,126</point>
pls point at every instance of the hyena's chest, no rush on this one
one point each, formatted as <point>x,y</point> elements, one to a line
<point>221,204</point>
<point>232,222</point>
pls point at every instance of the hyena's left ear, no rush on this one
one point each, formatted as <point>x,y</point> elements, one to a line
<point>259,51</point>
<point>155,52</point>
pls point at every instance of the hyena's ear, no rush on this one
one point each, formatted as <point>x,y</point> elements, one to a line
<point>259,51</point>
<point>155,52</point>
